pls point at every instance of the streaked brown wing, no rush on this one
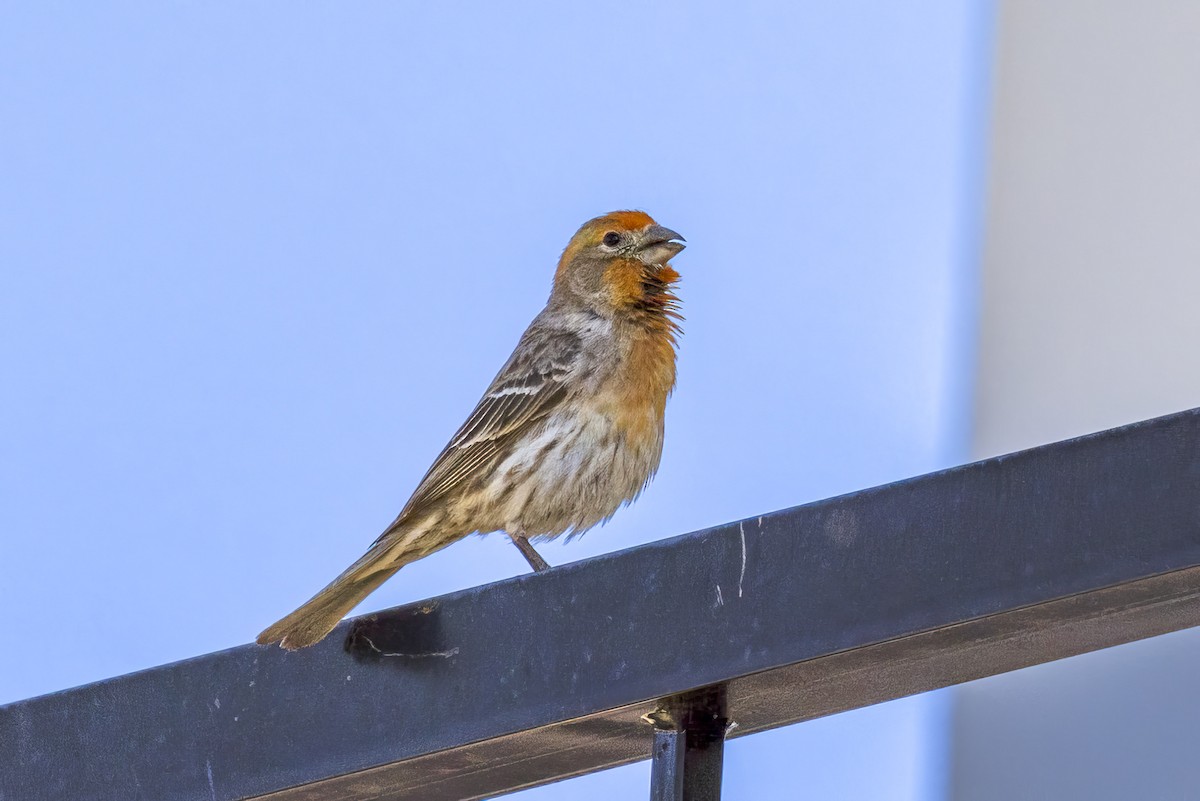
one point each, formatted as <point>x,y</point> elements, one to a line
<point>528,388</point>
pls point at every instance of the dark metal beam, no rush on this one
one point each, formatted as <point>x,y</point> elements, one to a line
<point>806,612</point>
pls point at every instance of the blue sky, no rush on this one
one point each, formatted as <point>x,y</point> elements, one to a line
<point>260,260</point>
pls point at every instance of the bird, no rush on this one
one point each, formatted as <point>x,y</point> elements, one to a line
<point>570,429</point>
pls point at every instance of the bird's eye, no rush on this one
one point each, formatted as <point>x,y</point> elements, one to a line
<point>612,239</point>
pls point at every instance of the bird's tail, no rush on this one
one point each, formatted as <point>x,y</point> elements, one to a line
<point>311,622</point>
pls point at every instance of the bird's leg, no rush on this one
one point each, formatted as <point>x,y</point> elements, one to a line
<point>534,558</point>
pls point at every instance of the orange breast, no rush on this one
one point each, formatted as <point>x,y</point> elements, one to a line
<point>640,392</point>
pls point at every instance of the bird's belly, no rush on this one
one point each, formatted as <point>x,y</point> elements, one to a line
<point>571,473</point>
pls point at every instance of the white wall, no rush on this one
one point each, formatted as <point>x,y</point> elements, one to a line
<point>1090,288</point>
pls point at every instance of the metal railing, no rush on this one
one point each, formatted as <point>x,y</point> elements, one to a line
<point>660,650</point>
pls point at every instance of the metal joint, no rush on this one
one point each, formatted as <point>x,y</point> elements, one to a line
<point>689,745</point>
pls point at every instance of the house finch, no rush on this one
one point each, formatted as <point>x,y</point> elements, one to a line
<point>569,430</point>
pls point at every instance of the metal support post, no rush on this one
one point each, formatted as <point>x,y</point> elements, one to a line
<point>689,746</point>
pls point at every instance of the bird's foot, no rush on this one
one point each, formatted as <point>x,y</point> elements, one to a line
<point>534,558</point>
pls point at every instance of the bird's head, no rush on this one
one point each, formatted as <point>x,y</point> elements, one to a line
<point>619,262</point>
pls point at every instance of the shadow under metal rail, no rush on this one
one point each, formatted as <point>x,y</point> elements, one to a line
<point>662,649</point>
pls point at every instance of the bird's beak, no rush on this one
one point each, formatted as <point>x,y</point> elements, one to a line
<point>659,245</point>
